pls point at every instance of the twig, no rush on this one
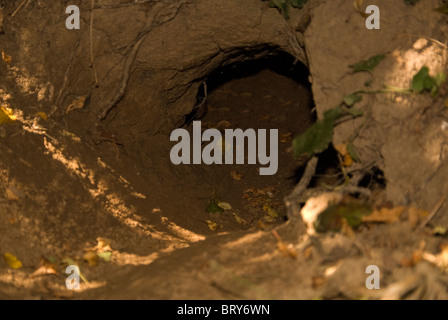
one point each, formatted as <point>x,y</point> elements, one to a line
<point>124,81</point>
<point>432,214</point>
<point>135,48</point>
<point>58,100</point>
<point>18,8</point>
<point>291,203</point>
<point>91,44</point>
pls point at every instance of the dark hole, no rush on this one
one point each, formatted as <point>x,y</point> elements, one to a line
<point>268,93</point>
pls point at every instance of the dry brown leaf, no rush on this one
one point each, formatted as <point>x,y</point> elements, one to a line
<point>286,137</point>
<point>261,225</point>
<point>45,267</point>
<point>91,258</point>
<point>103,244</point>
<point>77,104</point>
<point>12,195</point>
<point>213,226</point>
<point>236,175</point>
<point>415,216</point>
<point>6,58</point>
<point>385,215</point>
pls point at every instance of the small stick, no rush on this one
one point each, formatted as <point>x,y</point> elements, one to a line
<point>432,214</point>
<point>18,8</point>
<point>291,200</point>
<point>91,43</point>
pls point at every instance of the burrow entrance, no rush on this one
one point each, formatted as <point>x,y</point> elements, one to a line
<point>268,93</point>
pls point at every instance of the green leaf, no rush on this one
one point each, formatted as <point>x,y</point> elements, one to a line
<point>298,3</point>
<point>351,99</point>
<point>283,5</point>
<point>106,255</point>
<point>411,2</point>
<point>355,113</point>
<point>421,80</point>
<point>368,65</point>
<point>331,218</point>
<point>352,152</point>
<point>213,207</point>
<point>440,78</point>
<point>317,138</point>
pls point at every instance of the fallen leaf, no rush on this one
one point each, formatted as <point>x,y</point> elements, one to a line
<point>213,207</point>
<point>225,206</point>
<point>261,225</point>
<point>335,216</point>
<point>415,215</point>
<point>286,137</point>
<point>6,58</point>
<point>77,104</point>
<point>439,230</point>
<point>42,115</point>
<point>106,256</point>
<point>236,175</point>
<point>385,215</point>
<point>12,261</point>
<point>12,195</point>
<point>103,245</point>
<point>91,258</point>
<point>239,219</point>
<point>272,212</point>
<point>6,115</point>
<point>45,267</point>
<point>213,226</point>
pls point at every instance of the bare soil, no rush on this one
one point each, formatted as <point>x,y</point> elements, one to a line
<point>82,186</point>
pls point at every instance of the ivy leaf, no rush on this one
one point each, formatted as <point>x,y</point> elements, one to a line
<point>422,80</point>
<point>213,207</point>
<point>317,138</point>
<point>369,64</point>
<point>440,78</point>
<point>298,3</point>
<point>352,152</point>
<point>351,99</point>
<point>283,5</point>
<point>331,219</point>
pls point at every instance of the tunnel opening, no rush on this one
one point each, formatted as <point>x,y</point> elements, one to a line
<point>271,93</point>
